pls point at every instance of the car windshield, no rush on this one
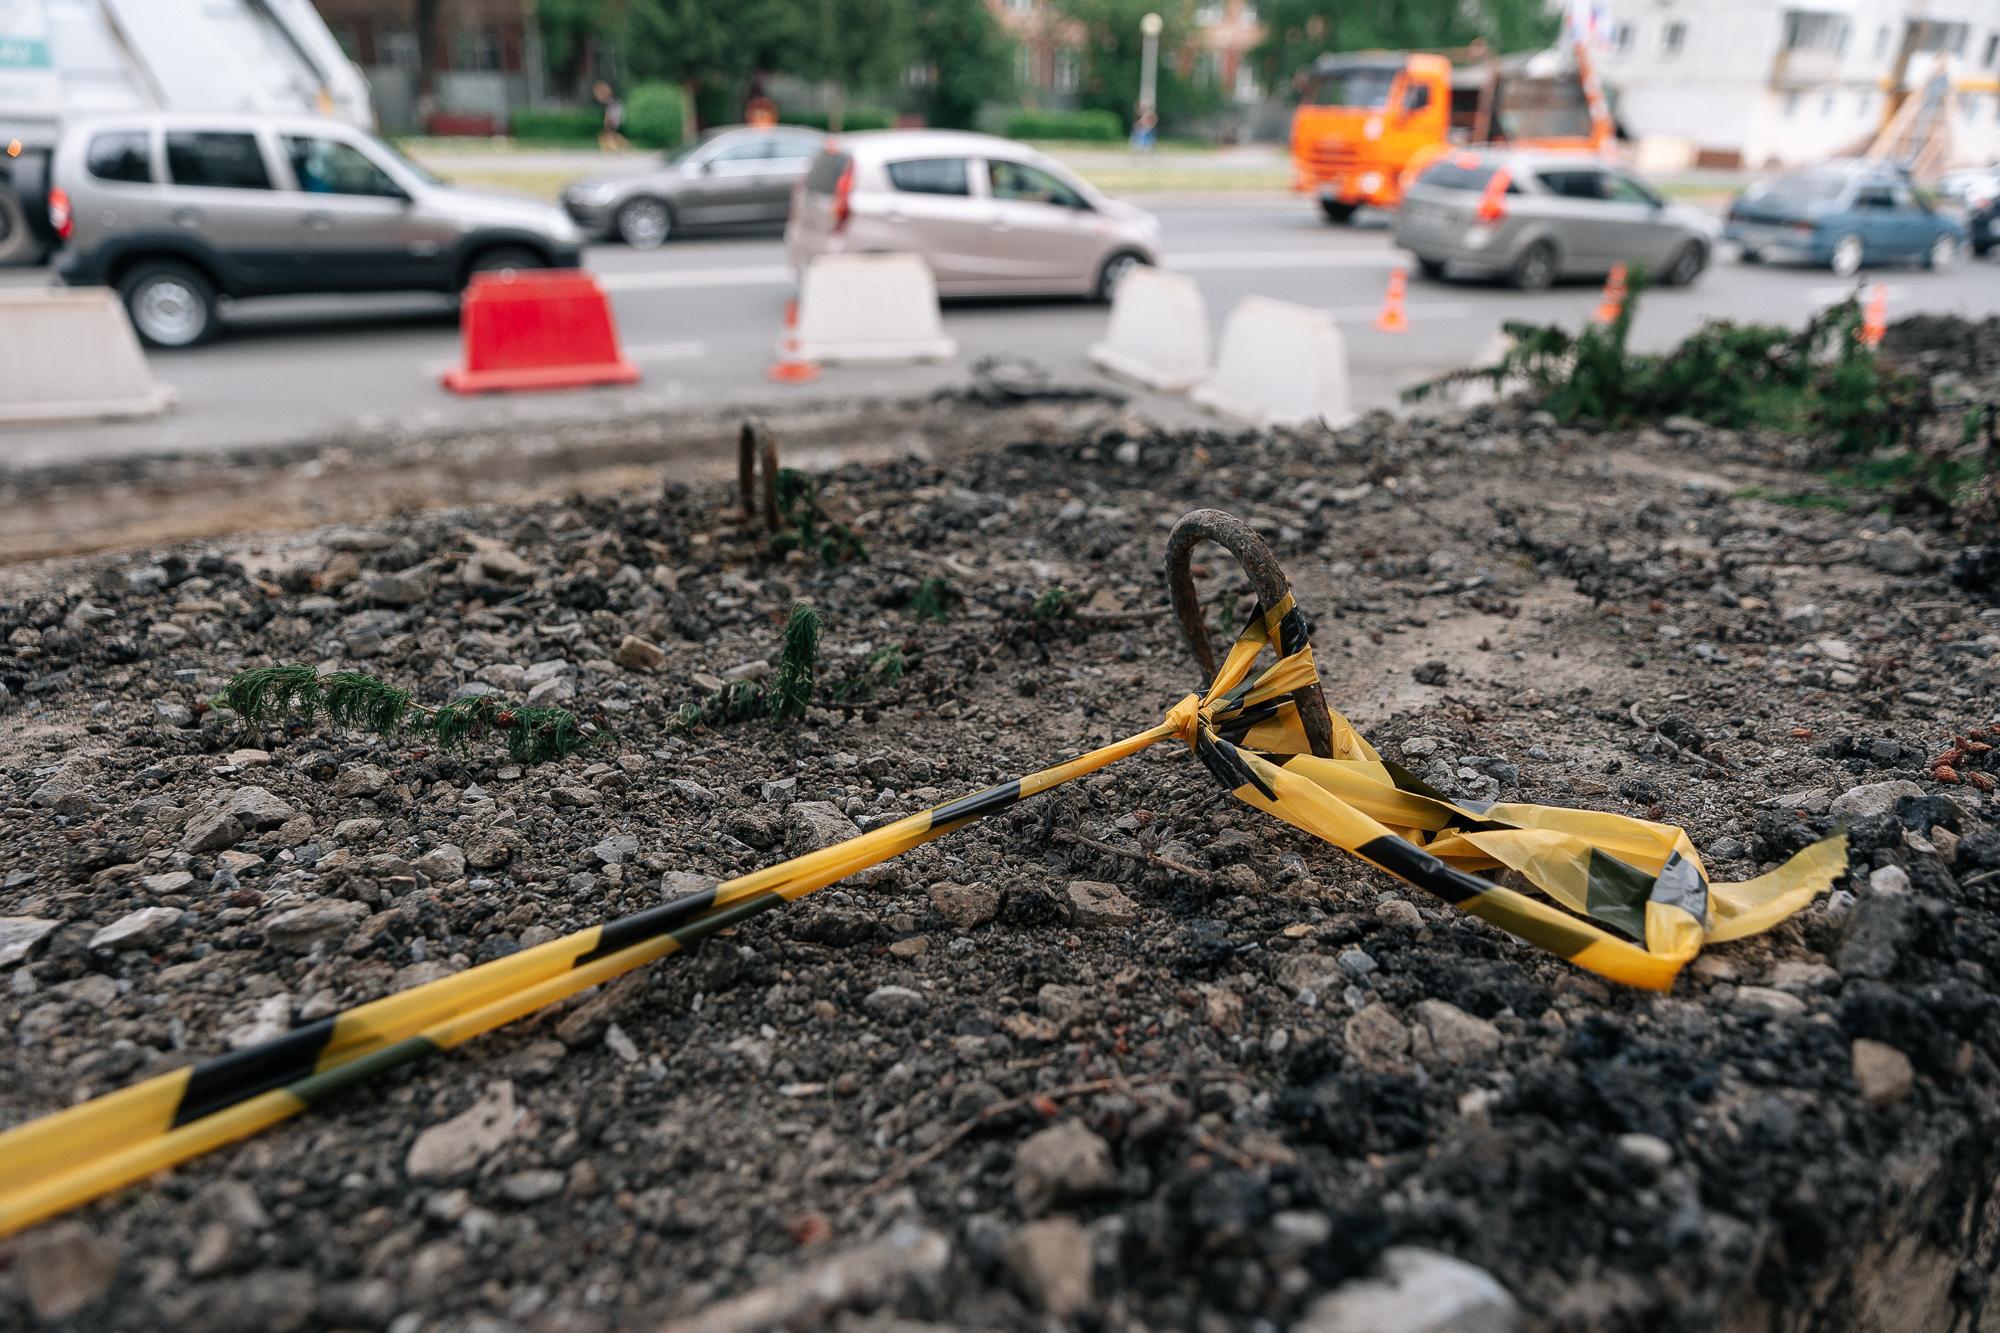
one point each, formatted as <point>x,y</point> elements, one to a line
<point>1354,86</point>
<point>1803,190</point>
<point>415,168</point>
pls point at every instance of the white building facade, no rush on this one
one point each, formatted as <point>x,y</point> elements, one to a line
<point>1764,83</point>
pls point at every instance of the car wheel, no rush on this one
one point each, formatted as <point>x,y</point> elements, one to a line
<point>1981,249</point>
<point>1943,253</point>
<point>1686,265</point>
<point>17,243</point>
<point>1536,267</point>
<point>1116,269</point>
<point>1432,269</point>
<point>170,304</point>
<point>1846,258</point>
<point>503,259</point>
<point>645,223</point>
<point>1337,213</point>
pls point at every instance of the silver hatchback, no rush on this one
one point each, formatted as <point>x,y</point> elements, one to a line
<point>1532,218</point>
<point>179,211</point>
<point>991,217</point>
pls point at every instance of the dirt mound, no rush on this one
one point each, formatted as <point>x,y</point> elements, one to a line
<point>1248,1083</point>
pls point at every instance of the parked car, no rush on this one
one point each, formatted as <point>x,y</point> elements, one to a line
<point>1982,225</point>
<point>1970,187</point>
<point>990,216</point>
<point>1533,217</point>
<point>737,177</point>
<point>179,210</point>
<point>1843,215</point>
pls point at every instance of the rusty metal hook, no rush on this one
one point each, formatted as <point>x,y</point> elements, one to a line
<point>755,446</point>
<point>1251,552</point>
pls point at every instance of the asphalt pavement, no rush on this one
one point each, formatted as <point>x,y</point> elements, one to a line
<point>700,318</point>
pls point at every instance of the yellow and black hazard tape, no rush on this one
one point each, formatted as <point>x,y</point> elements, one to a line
<point>1642,881</point>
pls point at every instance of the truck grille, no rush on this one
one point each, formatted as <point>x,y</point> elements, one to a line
<point>1334,159</point>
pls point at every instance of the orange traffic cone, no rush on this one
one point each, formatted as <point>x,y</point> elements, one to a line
<point>1613,301</point>
<point>791,368</point>
<point>1875,320</point>
<point>1394,318</point>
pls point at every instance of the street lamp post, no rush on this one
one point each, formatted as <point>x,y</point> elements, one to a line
<point>1149,61</point>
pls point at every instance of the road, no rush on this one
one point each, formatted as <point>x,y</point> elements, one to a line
<point>700,318</point>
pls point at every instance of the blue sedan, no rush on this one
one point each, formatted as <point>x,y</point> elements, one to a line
<point>1842,216</point>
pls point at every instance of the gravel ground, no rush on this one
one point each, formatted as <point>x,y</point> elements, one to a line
<point>1031,1075</point>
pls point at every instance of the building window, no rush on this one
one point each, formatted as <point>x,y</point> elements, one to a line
<point>1791,105</point>
<point>1882,41</point>
<point>1020,6</point>
<point>397,49</point>
<point>1024,66</point>
<point>1938,36</point>
<point>475,49</point>
<point>1992,50</point>
<point>1814,32</point>
<point>1069,70</point>
<point>1672,38</point>
<point>1621,38</point>
<point>1864,103</point>
<point>917,75</point>
<point>1247,15</point>
<point>1247,87</point>
<point>1208,14</point>
<point>1208,69</point>
<point>1826,106</point>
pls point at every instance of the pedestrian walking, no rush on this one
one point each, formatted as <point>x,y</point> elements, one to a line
<point>611,138</point>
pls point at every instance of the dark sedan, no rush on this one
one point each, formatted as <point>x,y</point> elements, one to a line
<point>740,177</point>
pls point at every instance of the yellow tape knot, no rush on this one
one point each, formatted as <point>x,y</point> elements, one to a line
<point>1188,717</point>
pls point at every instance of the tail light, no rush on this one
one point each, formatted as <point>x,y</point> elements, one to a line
<point>60,216</point>
<point>841,190</point>
<point>1492,200</point>
<point>1803,228</point>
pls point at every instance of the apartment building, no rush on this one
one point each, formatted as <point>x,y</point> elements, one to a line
<point>1764,83</point>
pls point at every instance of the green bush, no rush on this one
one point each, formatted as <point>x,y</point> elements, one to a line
<point>558,124</point>
<point>1098,126</point>
<point>653,115</point>
<point>854,118</point>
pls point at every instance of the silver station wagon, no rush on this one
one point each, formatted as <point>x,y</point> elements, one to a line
<point>179,211</point>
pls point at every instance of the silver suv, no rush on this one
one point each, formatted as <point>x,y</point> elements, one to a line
<point>1533,217</point>
<point>176,211</point>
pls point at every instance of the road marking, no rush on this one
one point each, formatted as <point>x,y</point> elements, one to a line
<point>1418,312</point>
<point>1896,291</point>
<point>676,351</point>
<point>748,275</point>
<point>1200,261</point>
<point>1212,261</point>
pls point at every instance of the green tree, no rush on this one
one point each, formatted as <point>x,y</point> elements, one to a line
<point>1297,32</point>
<point>696,44</point>
<point>1112,50</point>
<point>850,45</point>
<point>969,58</point>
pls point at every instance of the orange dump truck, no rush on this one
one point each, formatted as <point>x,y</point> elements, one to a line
<point>1367,118</point>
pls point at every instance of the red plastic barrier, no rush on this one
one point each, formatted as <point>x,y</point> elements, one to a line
<point>538,329</point>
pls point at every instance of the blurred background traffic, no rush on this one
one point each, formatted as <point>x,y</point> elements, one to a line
<point>302,189</point>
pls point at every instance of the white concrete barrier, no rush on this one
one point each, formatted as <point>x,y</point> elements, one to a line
<point>1280,364</point>
<point>870,308</point>
<point>1158,334</point>
<point>69,354</point>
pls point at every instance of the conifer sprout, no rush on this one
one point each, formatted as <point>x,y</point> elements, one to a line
<point>935,598</point>
<point>798,665</point>
<point>1054,603</point>
<point>354,700</point>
